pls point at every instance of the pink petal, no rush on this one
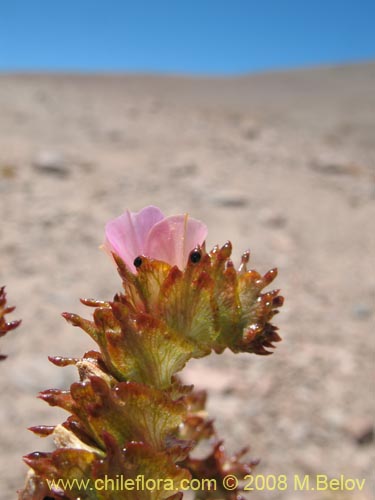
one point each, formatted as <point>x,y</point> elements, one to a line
<point>126,235</point>
<point>173,238</point>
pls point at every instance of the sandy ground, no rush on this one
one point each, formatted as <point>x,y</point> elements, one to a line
<point>279,163</point>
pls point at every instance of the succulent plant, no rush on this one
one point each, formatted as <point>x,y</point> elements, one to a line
<point>130,415</point>
<point>5,326</point>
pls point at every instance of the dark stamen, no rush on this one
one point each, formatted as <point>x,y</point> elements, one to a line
<point>137,261</point>
<point>195,256</point>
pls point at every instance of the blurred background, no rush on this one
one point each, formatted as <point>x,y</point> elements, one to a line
<point>255,117</point>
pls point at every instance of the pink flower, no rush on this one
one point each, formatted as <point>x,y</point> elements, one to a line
<point>151,234</point>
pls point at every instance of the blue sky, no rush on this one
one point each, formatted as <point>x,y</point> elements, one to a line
<point>186,36</point>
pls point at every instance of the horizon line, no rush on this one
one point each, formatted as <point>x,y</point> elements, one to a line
<point>177,74</point>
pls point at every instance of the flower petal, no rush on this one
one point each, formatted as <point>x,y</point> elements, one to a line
<point>173,238</point>
<point>126,235</point>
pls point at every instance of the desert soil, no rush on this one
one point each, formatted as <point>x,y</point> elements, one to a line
<point>280,163</point>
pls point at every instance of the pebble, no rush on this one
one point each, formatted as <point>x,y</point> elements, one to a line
<point>51,163</point>
<point>361,311</point>
<point>360,429</point>
<point>272,218</point>
<point>338,167</point>
<point>250,133</point>
<point>7,171</point>
<point>230,199</point>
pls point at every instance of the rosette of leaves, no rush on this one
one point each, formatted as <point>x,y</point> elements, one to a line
<point>130,416</point>
<point>5,326</point>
